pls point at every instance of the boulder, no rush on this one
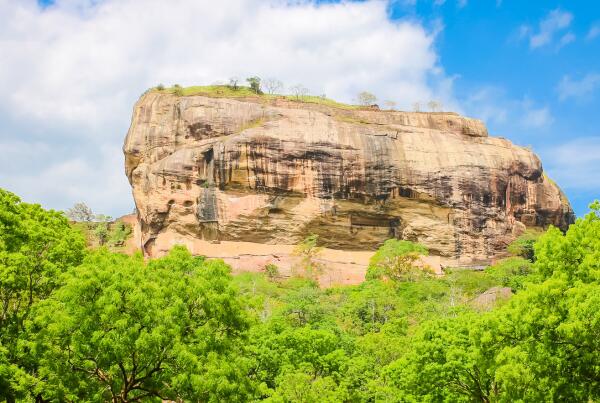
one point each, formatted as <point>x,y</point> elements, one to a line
<point>273,170</point>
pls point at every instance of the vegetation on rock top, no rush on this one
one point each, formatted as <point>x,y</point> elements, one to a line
<point>225,91</point>
<point>256,89</point>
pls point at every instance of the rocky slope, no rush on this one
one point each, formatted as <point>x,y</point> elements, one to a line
<point>272,170</point>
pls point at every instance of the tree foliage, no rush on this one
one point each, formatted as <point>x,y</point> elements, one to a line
<point>120,330</point>
<point>523,246</point>
<point>80,212</point>
<point>255,84</point>
<point>366,98</point>
<point>36,246</point>
<point>83,325</point>
<point>541,346</point>
<point>396,260</point>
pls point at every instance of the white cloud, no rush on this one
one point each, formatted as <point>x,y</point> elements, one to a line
<point>459,3</point>
<point>572,88</point>
<point>536,118</point>
<point>594,31</point>
<point>549,27</point>
<point>99,182</point>
<point>71,73</point>
<point>565,40</point>
<point>574,164</point>
<point>487,104</point>
<point>494,106</point>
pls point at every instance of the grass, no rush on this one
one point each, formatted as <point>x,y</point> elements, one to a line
<point>350,119</point>
<point>225,91</point>
<point>313,99</point>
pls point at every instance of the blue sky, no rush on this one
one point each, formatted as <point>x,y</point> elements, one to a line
<point>72,69</point>
<point>488,44</point>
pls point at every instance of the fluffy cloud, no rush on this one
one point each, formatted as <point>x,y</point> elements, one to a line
<point>72,71</point>
<point>549,28</point>
<point>575,164</point>
<point>535,117</point>
<point>581,89</point>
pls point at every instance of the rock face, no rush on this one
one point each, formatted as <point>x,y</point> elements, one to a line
<point>273,171</point>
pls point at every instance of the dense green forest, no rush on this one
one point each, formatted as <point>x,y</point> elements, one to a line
<point>82,324</point>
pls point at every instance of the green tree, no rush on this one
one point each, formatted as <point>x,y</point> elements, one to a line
<point>101,229</point>
<point>554,324</point>
<point>513,272</point>
<point>523,246</point>
<point>304,306</point>
<point>120,233</point>
<point>541,346</point>
<point>370,306</point>
<point>298,386</point>
<point>36,246</point>
<point>396,260</point>
<point>254,83</point>
<point>366,98</point>
<point>177,90</point>
<point>271,270</point>
<point>446,363</point>
<point>281,351</point>
<point>123,331</point>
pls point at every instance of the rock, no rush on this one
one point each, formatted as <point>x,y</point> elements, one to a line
<point>272,171</point>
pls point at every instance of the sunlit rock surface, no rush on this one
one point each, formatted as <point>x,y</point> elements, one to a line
<point>274,171</point>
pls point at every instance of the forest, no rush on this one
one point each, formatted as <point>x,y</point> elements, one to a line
<point>89,324</point>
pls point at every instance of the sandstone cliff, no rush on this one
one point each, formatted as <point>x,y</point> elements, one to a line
<point>272,170</point>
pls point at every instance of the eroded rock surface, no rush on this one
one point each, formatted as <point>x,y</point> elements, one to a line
<point>274,171</point>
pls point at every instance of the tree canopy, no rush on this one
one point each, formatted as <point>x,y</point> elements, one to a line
<point>122,330</point>
<point>88,324</point>
<point>36,247</point>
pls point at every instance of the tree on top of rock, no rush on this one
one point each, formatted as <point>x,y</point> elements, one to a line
<point>366,98</point>
<point>273,85</point>
<point>254,83</point>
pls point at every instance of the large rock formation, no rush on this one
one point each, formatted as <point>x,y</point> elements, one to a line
<point>274,170</point>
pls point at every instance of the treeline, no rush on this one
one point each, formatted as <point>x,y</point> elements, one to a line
<point>92,325</point>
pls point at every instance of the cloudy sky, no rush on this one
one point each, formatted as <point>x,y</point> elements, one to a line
<point>70,71</point>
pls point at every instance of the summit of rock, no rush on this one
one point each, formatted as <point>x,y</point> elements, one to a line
<point>273,170</point>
